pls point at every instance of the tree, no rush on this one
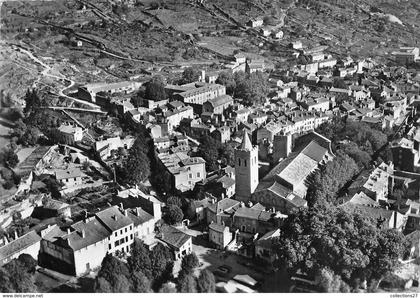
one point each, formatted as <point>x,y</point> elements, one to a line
<point>136,168</point>
<point>139,259</point>
<point>6,285</point>
<point>186,283</point>
<point>325,184</point>
<point>174,200</point>
<point>189,262</point>
<point>330,282</point>
<point>155,89</point>
<point>253,89</point>
<point>113,276</point>
<point>162,265</point>
<point>19,129</point>
<point>31,136</point>
<point>9,158</point>
<point>346,243</point>
<point>190,75</point>
<point>226,79</point>
<point>174,215</point>
<point>32,101</point>
<point>206,282</point>
<point>141,284</point>
<point>28,262</point>
<point>21,281</point>
<point>339,83</point>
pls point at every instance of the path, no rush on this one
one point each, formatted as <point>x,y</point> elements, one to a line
<point>46,71</point>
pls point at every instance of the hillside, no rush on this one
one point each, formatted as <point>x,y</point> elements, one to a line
<point>119,41</point>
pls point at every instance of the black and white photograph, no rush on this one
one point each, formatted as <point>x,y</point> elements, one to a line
<point>209,146</point>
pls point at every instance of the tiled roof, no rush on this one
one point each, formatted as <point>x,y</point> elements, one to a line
<point>19,244</point>
<point>223,205</point>
<point>173,236</point>
<point>226,181</point>
<point>253,214</point>
<point>371,213</point>
<point>139,216</point>
<point>94,232</point>
<point>362,199</point>
<point>113,218</point>
<point>220,100</point>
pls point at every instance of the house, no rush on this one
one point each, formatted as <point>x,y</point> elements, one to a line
<point>405,154</point>
<point>90,91</point>
<point>198,207</point>
<point>69,177</point>
<point>264,246</point>
<point>25,244</point>
<point>320,104</point>
<point>180,171</point>
<point>222,134</point>
<point>375,184</point>
<point>81,247</point>
<point>221,211</point>
<point>277,34</point>
<point>197,96</point>
<point>218,104</point>
<point>70,134</point>
<point>105,148</point>
<point>179,242</point>
<point>253,220</point>
<point>220,235</point>
<point>385,219</point>
<point>255,22</point>
<point>406,55</point>
<point>170,119</point>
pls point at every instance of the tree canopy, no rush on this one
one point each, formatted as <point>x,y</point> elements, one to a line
<point>206,282</point>
<point>155,89</point>
<point>189,262</point>
<point>346,243</point>
<point>190,75</point>
<point>174,214</point>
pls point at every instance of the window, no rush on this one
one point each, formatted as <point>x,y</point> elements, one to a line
<point>239,161</point>
<point>131,227</point>
<point>109,246</point>
<point>190,175</point>
<point>121,232</point>
<point>245,163</point>
<point>198,174</point>
<point>116,243</point>
<point>131,236</point>
<point>126,238</point>
<point>115,234</point>
<point>126,230</point>
<point>122,241</point>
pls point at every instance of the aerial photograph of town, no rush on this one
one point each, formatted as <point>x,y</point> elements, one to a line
<point>209,146</point>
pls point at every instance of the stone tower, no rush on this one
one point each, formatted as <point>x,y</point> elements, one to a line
<point>282,146</point>
<point>246,169</point>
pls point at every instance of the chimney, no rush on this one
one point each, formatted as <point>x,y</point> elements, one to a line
<point>114,217</point>
<point>16,235</point>
<point>137,211</point>
<point>83,233</point>
<point>68,231</point>
<point>5,240</point>
<point>121,206</point>
<point>125,212</point>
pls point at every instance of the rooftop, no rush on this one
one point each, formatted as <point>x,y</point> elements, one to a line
<point>173,236</point>
<point>19,244</point>
<point>113,218</point>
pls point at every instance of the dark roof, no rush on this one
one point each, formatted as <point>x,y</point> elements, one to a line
<point>223,205</point>
<point>220,100</point>
<point>371,213</point>
<point>139,216</point>
<point>113,218</point>
<point>258,206</point>
<point>94,231</point>
<point>19,244</point>
<point>173,236</point>
<point>253,214</point>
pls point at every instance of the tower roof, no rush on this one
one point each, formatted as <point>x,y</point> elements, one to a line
<point>246,142</point>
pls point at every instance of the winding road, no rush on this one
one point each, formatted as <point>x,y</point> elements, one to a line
<point>46,72</point>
